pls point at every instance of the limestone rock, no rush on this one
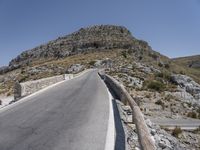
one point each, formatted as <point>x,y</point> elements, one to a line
<point>86,39</point>
<point>188,84</point>
<point>75,68</point>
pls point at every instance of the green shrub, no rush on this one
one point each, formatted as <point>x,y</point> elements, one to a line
<point>156,85</point>
<point>192,114</point>
<point>167,66</point>
<point>160,64</point>
<point>154,56</point>
<point>168,97</point>
<point>176,131</point>
<point>196,131</point>
<point>198,111</point>
<point>182,72</point>
<point>159,102</point>
<point>91,63</point>
<point>165,75</point>
<point>124,54</point>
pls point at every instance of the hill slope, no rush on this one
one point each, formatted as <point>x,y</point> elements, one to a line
<point>83,47</point>
<point>191,65</point>
<point>189,61</point>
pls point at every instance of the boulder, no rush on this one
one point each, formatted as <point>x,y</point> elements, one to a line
<point>135,82</point>
<point>188,84</point>
<point>75,68</point>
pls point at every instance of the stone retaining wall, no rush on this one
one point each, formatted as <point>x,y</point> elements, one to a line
<point>145,139</point>
<point>29,87</point>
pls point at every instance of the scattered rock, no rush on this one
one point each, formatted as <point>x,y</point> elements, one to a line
<point>189,90</point>
<point>75,68</point>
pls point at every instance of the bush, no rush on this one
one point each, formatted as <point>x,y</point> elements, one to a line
<point>192,115</point>
<point>176,131</point>
<point>167,66</point>
<point>182,72</point>
<point>165,75</point>
<point>160,64</point>
<point>154,56</point>
<point>91,63</point>
<point>198,111</point>
<point>124,54</point>
<point>156,85</point>
<point>168,97</point>
<point>196,131</point>
<point>159,102</point>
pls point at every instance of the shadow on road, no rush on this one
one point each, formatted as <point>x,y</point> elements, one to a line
<point>120,135</point>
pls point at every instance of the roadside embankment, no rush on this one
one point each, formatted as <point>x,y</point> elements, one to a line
<point>145,139</point>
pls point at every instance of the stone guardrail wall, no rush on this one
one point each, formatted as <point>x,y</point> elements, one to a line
<point>29,87</point>
<point>145,139</point>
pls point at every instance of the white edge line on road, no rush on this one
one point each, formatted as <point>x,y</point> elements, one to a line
<point>110,137</point>
<point>24,99</point>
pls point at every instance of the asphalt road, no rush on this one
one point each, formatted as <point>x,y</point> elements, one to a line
<point>72,115</point>
<point>186,124</point>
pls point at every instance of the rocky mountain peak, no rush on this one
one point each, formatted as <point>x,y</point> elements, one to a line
<point>98,37</point>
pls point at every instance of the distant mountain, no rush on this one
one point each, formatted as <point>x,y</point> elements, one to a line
<point>189,61</point>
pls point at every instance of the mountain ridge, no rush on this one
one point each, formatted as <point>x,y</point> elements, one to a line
<point>86,46</point>
<point>192,61</point>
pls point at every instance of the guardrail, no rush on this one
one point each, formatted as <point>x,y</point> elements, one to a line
<point>145,139</point>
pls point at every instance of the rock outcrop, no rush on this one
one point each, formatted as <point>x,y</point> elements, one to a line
<point>188,84</point>
<point>75,68</point>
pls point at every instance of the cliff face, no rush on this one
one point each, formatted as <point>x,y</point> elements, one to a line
<point>85,39</point>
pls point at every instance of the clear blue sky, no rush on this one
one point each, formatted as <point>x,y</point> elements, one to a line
<point>171,27</point>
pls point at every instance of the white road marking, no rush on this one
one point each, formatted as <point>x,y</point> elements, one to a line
<point>110,137</point>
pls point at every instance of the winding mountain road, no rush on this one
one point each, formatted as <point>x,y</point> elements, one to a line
<point>185,124</point>
<point>72,115</point>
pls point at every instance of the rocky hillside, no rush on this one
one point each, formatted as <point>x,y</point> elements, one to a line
<point>160,84</point>
<point>83,47</point>
<point>190,61</point>
<point>85,39</point>
<point>191,65</point>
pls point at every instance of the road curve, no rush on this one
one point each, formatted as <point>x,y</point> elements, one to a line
<point>73,115</point>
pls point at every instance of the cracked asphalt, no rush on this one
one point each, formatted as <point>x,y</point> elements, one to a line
<point>72,115</point>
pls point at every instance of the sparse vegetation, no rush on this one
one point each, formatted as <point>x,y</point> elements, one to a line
<point>162,104</point>
<point>176,132</point>
<point>124,54</point>
<point>153,55</point>
<point>160,64</point>
<point>167,66</point>
<point>156,85</point>
<point>198,111</point>
<point>168,97</point>
<point>165,75</point>
<point>91,63</point>
<point>192,114</point>
<point>196,131</point>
